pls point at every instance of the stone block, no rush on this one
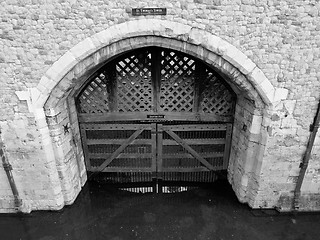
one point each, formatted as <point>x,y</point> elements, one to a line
<point>266,92</point>
<point>203,38</point>
<point>61,67</point>
<point>289,122</point>
<point>280,94</point>
<point>310,187</point>
<point>290,105</point>
<point>256,77</point>
<point>48,83</point>
<point>237,58</point>
<point>256,124</point>
<point>82,50</point>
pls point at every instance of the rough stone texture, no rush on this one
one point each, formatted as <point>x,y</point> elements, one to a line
<point>280,42</point>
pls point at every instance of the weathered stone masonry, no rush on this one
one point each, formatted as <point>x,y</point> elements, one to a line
<point>268,51</point>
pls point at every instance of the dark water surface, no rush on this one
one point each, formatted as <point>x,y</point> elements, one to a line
<point>210,212</point>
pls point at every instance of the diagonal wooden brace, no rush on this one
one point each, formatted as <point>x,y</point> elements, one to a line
<point>120,149</point>
<point>189,149</point>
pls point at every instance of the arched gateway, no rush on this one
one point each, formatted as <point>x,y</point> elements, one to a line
<point>173,90</point>
<point>155,113</point>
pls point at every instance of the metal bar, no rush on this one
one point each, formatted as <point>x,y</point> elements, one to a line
<point>305,161</point>
<point>8,169</point>
<point>189,149</point>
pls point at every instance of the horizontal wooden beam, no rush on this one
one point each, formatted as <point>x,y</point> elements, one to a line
<point>168,142</point>
<point>147,117</point>
<point>114,126</point>
<point>149,155</point>
<point>196,127</point>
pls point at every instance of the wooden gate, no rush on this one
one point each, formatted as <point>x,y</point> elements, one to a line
<point>155,113</point>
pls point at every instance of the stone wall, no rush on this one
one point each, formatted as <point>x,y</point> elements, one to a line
<point>281,37</point>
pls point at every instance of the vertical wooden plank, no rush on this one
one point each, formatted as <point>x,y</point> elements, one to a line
<point>154,148</point>
<point>85,146</point>
<point>201,79</point>
<point>227,146</point>
<point>198,81</point>
<point>159,149</point>
<point>156,77</point>
<point>112,87</point>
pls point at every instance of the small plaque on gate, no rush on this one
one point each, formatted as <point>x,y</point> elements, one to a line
<point>148,11</point>
<point>155,116</point>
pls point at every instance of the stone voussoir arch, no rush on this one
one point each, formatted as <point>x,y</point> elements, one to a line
<point>156,28</point>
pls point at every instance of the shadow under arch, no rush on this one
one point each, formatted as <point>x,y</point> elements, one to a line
<point>56,113</point>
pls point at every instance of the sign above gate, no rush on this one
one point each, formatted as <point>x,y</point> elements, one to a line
<point>155,116</point>
<point>149,11</point>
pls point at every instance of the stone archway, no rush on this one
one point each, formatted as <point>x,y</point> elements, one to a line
<point>54,107</point>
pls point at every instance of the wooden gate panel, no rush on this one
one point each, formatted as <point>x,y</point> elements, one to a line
<point>188,149</point>
<point>190,105</point>
<point>120,147</point>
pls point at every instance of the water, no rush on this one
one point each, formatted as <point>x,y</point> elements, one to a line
<point>207,212</point>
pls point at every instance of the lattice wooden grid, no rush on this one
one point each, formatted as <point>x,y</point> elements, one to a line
<point>215,97</point>
<point>94,98</point>
<point>134,83</point>
<point>129,84</point>
<point>177,82</point>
